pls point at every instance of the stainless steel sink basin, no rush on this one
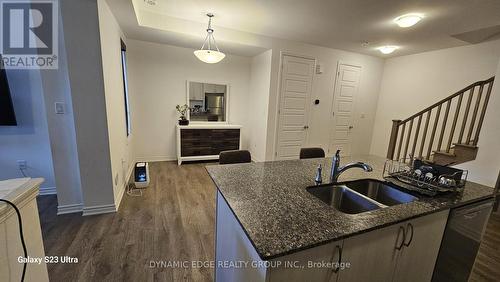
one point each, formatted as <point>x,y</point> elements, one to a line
<point>381,192</point>
<point>343,199</point>
<point>359,196</point>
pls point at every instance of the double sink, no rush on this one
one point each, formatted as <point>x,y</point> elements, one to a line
<point>359,196</point>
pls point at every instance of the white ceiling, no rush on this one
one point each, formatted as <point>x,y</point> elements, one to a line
<point>247,27</point>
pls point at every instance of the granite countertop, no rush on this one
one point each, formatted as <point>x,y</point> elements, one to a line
<point>279,216</point>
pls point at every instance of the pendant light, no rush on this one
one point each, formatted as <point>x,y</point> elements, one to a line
<point>210,55</point>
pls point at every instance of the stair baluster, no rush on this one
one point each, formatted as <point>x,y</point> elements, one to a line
<point>401,141</point>
<point>454,124</point>
<point>433,134</point>
<point>424,135</point>
<point>417,130</point>
<point>466,115</point>
<point>474,114</point>
<point>408,140</point>
<point>483,112</point>
<point>443,127</point>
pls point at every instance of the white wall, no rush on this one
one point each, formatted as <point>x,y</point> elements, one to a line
<point>84,60</point>
<point>62,136</point>
<point>29,140</point>
<point>258,102</point>
<point>323,88</point>
<point>120,149</point>
<point>411,83</point>
<point>157,82</point>
<point>158,74</point>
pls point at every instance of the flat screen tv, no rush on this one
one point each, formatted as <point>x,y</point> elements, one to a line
<point>7,115</point>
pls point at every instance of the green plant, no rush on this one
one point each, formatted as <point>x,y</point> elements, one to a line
<point>182,110</point>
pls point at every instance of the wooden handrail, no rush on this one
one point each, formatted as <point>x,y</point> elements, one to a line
<point>408,139</point>
<point>478,83</point>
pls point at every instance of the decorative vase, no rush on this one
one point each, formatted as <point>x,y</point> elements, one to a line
<point>183,122</point>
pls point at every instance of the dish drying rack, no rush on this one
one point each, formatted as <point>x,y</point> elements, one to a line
<point>432,180</point>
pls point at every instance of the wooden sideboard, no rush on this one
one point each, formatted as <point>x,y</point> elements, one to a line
<point>205,142</point>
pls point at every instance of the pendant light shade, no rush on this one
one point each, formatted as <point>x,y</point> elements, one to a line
<point>208,53</point>
<point>209,56</point>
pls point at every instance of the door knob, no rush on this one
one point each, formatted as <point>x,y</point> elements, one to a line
<point>351,127</point>
<point>306,127</point>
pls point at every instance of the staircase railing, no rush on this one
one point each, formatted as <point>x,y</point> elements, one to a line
<point>408,140</point>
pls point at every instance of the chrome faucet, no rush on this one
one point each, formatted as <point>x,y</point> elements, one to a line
<point>337,170</point>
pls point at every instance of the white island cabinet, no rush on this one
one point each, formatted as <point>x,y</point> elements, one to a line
<point>22,192</point>
<point>405,251</point>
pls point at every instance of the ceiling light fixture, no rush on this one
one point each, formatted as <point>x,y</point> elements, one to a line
<point>387,49</point>
<point>210,55</point>
<point>408,19</point>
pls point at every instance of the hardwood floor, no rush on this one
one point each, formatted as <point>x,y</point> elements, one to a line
<point>173,221</point>
<point>487,265</point>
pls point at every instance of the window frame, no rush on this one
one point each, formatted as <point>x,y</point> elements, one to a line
<point>123,57</point>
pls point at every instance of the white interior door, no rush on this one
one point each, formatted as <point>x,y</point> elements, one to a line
<point>295,97</point>
<point>346,88</point>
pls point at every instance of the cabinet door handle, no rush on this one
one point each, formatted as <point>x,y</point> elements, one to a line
<point>339,249</point>
<point>408,226</point>
<point>471,215</point>
<point>404,238</point>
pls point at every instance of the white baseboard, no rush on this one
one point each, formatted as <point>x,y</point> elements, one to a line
<point>69,209</point>
<point>156,159</point>
<point>93,210</point>
<point>65,209</point>
<point>119,198</point>
<point>47,191</point>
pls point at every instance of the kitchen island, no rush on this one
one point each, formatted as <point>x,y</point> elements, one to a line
<point>266,215</point>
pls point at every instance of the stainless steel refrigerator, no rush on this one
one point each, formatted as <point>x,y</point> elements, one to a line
<point>214,106</point>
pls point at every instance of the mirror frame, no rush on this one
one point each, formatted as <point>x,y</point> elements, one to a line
<point>226,103</point>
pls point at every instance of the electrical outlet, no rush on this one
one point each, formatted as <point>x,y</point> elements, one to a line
<point>59,108</point>
<point>21,164</point>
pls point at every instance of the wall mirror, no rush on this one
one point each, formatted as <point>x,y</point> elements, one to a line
<point>208,102</point>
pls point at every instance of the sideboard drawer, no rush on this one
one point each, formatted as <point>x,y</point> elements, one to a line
<point>196,134</point>
<point>194,143</point>
<point>205,143</point>
<point>226,146</point>
<point>196,151</point>
<point>226,133</point>
<point>232,144</point>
